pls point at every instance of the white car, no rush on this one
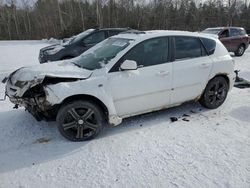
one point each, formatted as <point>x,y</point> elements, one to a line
<point>123,76</point>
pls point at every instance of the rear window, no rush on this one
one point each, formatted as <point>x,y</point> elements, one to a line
<point>209,44</point>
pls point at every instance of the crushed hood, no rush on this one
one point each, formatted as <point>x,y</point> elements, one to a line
<point>27,77</point>
<point>63,69</point>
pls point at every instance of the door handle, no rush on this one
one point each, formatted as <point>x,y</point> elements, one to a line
<point>162,73</point>
<point>204,65</point>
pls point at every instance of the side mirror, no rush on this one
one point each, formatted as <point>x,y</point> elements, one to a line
<point>129,65</point>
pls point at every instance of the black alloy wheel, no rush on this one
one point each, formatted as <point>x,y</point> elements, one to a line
<point>80,120</point>
<point>215,93</point>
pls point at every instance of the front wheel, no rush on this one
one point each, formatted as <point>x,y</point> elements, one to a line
<point>215,93</point>
<point>240,51</point>
<point>80,120</point>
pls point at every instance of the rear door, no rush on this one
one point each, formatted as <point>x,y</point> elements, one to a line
<point>191,69</point>
<point>236,38</point>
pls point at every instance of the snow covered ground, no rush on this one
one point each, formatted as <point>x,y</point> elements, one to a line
<point>210,149</point>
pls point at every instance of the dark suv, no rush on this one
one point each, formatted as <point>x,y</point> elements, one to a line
<point>78,44</point>
<point>235,39</point>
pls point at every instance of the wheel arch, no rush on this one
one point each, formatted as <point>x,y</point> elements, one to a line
<point>243,45</point>
<point>222,75</point>
<point>88,98</point>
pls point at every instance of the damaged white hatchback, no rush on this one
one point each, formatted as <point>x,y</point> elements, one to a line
<point>123,76</point>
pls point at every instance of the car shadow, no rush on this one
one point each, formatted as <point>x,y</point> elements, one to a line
<point>180,113</point>
<point>26,142</point>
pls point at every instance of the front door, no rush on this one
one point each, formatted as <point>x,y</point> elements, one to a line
<point>148,88</point>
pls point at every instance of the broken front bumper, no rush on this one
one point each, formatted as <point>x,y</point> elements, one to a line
<point>36,105</point>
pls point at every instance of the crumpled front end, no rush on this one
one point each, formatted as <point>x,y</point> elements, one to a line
<point>27,87</point>
<point>31,96</point>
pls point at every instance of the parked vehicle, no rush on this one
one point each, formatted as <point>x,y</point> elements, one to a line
<point>248,32</point>
<point>76,45</point>
<point>123,76</point>
<point>235,39</point>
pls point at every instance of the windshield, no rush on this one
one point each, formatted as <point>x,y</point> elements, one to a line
<point>212,31</point>
<point>80,36</point>
<point>98,56</point>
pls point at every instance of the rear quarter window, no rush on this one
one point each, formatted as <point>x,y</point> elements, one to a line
<point>209,45</point>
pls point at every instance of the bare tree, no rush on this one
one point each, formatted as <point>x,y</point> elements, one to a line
<point>64,18</point>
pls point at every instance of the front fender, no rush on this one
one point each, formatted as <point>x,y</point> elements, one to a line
<point>57,93</point>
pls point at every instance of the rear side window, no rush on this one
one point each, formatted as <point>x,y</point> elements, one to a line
<point>243,32</point>
<point>188,47</point>
<point>235,32</point>
<point>209,44</point>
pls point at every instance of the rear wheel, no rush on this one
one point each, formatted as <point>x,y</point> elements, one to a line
<point>80,120</point>
<point>240,51</point>
<point>215,93</point>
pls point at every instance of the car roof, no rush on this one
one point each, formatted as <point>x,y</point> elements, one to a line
<point>160,33</point>
<point>225,28</point>
<point>113,29</point>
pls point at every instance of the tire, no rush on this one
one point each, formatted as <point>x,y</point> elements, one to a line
<point>240,51</point>
<point>215,93</point>
<point>80,120</point>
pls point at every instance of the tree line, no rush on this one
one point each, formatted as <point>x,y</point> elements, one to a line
<point>64,18</point>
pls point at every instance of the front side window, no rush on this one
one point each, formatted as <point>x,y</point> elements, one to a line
<point>95,38</point>
<point>188,47</point>
<point>224,34</point>
<point>98,56</point>
<point>150,52</point>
